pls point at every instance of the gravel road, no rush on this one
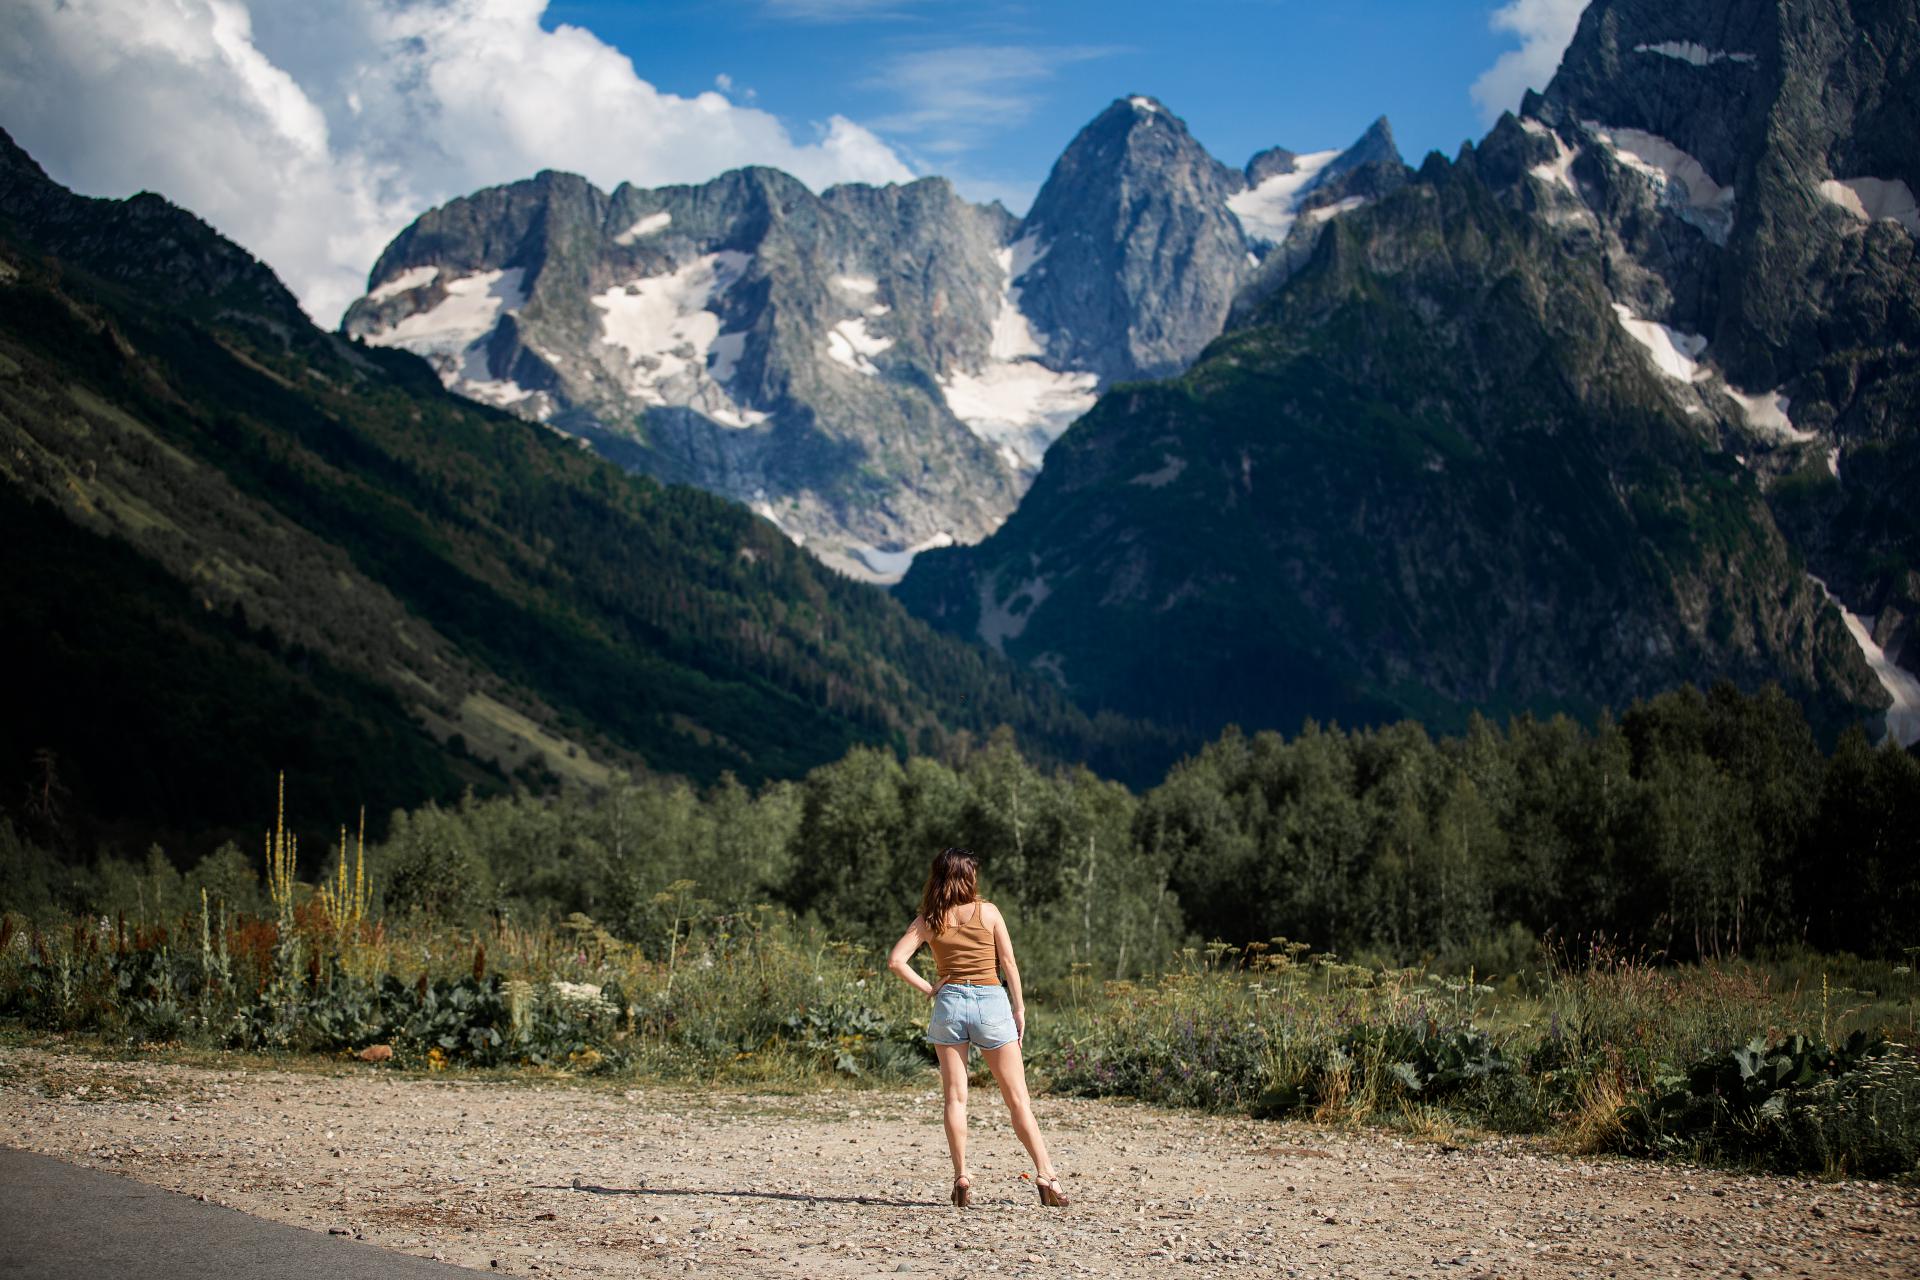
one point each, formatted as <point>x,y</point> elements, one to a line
<point>573,1179</point>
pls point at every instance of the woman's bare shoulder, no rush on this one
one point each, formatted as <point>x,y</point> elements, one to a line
<point>990,914</point>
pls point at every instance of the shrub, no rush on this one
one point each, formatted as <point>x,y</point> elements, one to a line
<point>1798,1105</point>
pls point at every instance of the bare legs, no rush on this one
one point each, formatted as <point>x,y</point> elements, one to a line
<point>1011,1073</point>
<point>953,1082</point>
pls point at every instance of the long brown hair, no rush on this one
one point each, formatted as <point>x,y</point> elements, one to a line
<point>953,882</point>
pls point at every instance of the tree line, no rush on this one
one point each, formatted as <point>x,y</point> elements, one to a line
<point>1695,824</point>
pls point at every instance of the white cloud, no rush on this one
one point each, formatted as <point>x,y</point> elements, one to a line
<point>1545,28</point>
<point>312,133</point>
<point>955,97</point>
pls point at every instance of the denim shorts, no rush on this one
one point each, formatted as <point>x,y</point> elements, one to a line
<point>971,1015</point>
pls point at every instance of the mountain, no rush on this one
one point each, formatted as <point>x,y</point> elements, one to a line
<point>877,370</point>
<point>1548,427</point>
<point>1135,255</point>
<point>795,352</point>
<point>1288,200</point>
<point>237,543</point>
<point>1749,172</point>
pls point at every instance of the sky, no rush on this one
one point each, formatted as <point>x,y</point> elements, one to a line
<point>313,131</point>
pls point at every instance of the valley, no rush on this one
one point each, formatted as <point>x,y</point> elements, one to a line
<point>1544,427</point>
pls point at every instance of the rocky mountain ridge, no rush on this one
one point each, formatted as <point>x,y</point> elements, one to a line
<point>1621,397</point>
<point>1746,174</point>
<point>876,370</point>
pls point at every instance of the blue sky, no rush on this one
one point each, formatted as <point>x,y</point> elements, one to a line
<point>313,132</point>
<point>989,93</point>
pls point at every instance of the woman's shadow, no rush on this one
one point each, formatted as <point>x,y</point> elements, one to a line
<point>797,1196</point>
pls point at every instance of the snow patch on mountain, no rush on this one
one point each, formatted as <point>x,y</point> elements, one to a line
<point>452,334</point>
<point>1698,54</point>
<point>1013,400</point>
<point>1768,413</point>
<point>665,327</point>
<point>406,282</point>
<point>474,380</point>
<point>1870,199</point>
<point>1674,353</point>
<point>472,306</point>
<point>1268,210</point>
<point>1903,717</point>
<point>646,226</point>
<point>1682,180</point>
<point>1020,405</point>
<point>888,567</point>
<point>765,510</point>
<point>1327,212</point>
<point>849,343</point>
<point>1678,355</point>
<point>1557,172</point>
<point>1013,336</point>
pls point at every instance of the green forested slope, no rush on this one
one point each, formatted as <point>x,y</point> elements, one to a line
<point>1432,475</point>
<point>238,543</point>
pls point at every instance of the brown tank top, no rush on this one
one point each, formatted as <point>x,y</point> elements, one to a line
<point>964,951</point>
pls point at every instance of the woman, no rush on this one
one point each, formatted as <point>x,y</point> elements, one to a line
<point>971,950</point>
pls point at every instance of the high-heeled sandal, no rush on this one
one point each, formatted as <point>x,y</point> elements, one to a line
<point>1050,1193</point>
<point>962,1192</point>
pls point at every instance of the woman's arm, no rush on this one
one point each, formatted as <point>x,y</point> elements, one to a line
<point>1010,973</point>
<point>902,952</point>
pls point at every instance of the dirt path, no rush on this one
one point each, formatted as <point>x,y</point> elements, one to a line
<point>557,1179</point>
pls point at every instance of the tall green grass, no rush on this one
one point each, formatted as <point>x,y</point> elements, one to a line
<point>747,995</point>
<point>1604,1051</point>
<point>1800,1063</point>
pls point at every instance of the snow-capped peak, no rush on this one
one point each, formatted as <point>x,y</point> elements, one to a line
<point>1268,211</point>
